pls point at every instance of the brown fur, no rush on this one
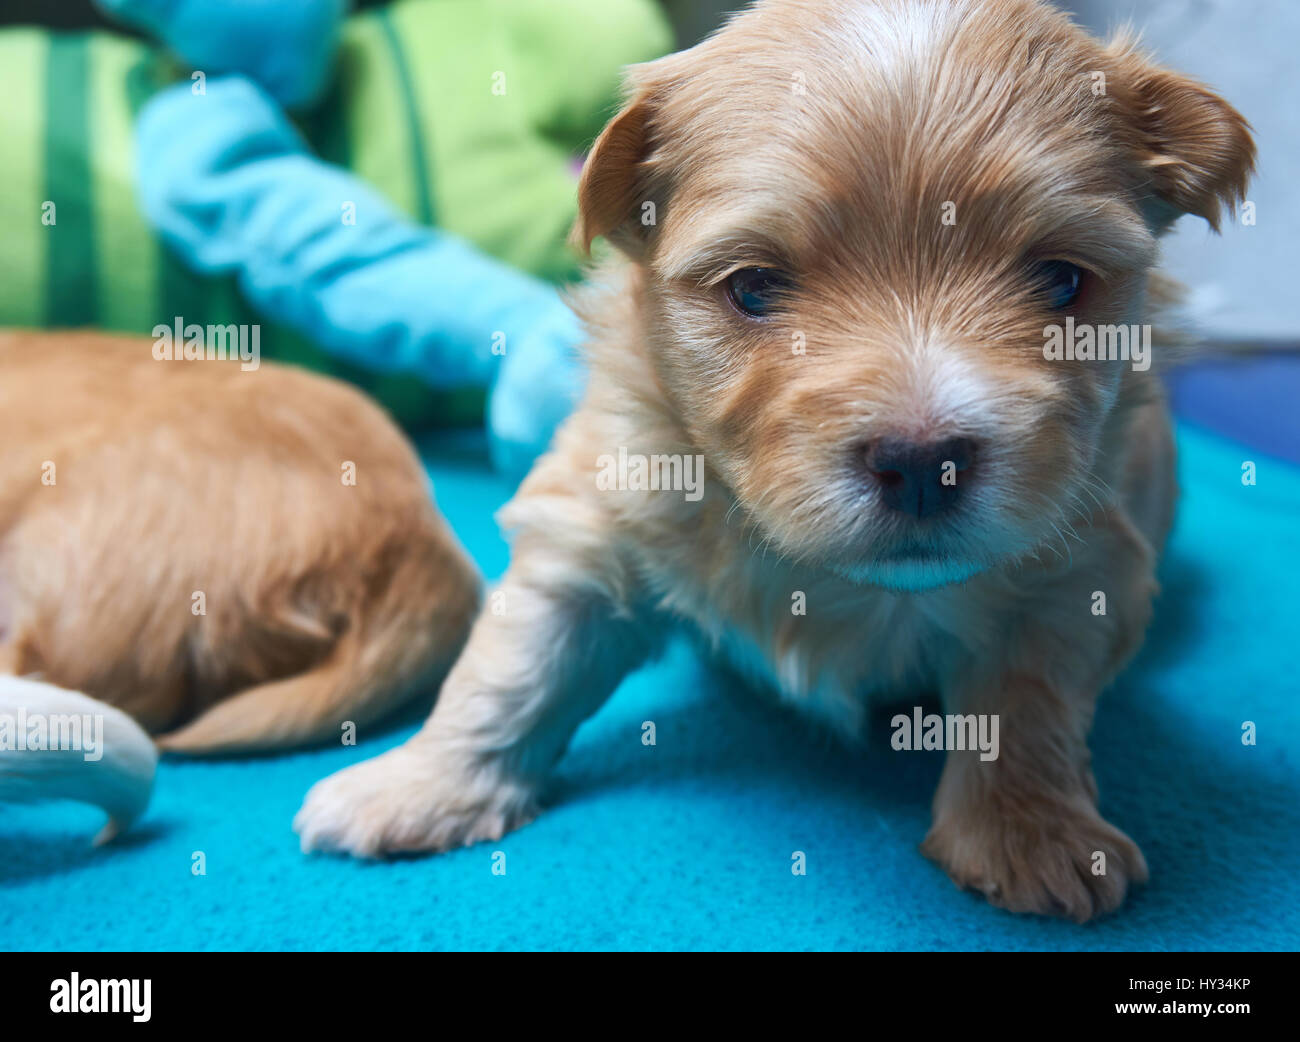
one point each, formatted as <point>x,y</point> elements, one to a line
<point>912,328</point>
<point>325,602</point>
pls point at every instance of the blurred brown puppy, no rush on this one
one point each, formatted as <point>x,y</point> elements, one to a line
<point>184,540</point>
<point>846,226</point>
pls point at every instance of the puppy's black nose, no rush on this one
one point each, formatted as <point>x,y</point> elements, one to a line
<point>920,479</point>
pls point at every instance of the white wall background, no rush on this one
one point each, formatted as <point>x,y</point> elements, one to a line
<point>1243,285</point>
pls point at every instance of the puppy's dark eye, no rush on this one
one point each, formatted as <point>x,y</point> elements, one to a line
<point>1059,282</point>
<point>757,291</point>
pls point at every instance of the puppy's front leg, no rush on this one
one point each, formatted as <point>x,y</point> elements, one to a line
<point>1024,828</point>
<point>551,646</point>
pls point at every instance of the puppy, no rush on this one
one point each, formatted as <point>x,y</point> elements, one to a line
<point>237,560</point>
<point>846,228</point>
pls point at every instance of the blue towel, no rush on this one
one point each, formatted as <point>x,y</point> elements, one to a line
<point>688,843</point>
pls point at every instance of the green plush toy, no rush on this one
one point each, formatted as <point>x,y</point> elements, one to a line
<point>467,115</point>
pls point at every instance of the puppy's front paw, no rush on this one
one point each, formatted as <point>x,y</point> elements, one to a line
<point>410,800</point>
<point>1042,863</point>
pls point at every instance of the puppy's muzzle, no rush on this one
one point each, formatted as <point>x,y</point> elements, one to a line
<point>917,478</point>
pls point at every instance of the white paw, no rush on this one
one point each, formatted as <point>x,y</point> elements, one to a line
<point>409,800</point>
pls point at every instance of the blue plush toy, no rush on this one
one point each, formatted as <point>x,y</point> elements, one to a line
<point>231,186</point>
<point>286,46</point>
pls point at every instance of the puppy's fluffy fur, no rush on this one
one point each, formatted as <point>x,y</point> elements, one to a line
<point>824,139</point>
<point>128,486</point>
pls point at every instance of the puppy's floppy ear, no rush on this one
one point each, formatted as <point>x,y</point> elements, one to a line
<point>611,178</point>
<point>1196,148</point>
<point>621,174</point>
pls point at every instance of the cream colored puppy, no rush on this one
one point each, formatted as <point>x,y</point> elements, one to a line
<point>848,231</point>
<point>230,560</point>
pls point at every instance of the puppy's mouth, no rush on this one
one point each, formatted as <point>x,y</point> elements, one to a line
<point>913,566</point>
<point>914,572</point>
<point>909,550</point>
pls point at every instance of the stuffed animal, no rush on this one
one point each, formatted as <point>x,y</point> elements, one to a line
<point>388,195</point>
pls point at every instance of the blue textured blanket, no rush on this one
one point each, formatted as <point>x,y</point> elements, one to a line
<point>688,844</point>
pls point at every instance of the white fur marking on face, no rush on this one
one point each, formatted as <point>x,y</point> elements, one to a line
<point>943,394</point>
